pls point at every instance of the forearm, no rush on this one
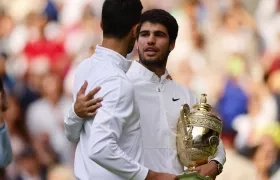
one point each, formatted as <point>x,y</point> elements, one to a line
<point>105,151</point>
<point>114,159</point>
<point>73,126</point>
<point>5,147</point>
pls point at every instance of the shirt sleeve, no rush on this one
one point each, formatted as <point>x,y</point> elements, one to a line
<point>5,147</point>
<point>73,125</point>
<point>118,109</point>
<point>220,155</point>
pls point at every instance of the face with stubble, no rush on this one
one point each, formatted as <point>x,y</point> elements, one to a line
<point>154,45</point>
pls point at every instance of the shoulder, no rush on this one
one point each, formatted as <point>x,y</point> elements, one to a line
<point>116,92</point>
<point>84,63</point>
<point>117,83</point>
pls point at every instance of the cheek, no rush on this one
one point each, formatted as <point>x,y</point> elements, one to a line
<point>164,48</point>
<point>140,47</point>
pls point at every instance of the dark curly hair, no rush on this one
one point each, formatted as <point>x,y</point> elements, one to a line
<point>159,16</point>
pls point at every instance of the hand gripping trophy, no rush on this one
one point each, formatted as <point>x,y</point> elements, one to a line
<point>198,133</point>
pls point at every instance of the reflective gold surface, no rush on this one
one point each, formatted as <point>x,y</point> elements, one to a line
<point>198,132</point>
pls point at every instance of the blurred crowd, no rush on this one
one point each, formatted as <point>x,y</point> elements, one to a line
<point>229,49</point>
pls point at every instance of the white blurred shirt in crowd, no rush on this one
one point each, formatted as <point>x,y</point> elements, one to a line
<point>44,117</point>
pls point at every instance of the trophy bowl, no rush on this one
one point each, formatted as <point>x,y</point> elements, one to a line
<point>198,134</point>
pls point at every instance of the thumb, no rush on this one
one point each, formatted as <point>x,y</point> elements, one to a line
<point>83,88</point>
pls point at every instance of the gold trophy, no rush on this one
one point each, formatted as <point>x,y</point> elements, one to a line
<point>198,134</point>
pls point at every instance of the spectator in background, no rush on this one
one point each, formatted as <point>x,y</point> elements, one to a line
<point>19,134</point>
<point>44,117</point>
<point>266,158</point>
<point>40,46</point>
<point>274,86</point>
<point>61,173</point>
<point>8,82</point>
<point>232,96</point>
<point>246,169</point>
<point>261,113</point>
<point>29,166</point>
<point>5,145</point>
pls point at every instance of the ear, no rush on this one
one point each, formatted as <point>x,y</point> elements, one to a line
<point>171,46</point>
<point>134,30</point>
<point>101,25</point>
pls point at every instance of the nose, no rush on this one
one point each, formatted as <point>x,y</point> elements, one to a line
<point>151,39</point>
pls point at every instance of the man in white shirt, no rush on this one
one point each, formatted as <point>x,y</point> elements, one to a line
<point>109,147</point>
<point>159,98</point>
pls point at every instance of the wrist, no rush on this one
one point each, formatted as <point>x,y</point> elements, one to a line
<point>219,166</point>
<point>74,114</point>
<point>151,174</point>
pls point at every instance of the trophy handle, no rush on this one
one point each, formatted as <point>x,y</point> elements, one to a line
<point>184,111</point>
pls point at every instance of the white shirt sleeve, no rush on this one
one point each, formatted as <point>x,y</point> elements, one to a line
<point>117,110</point>
<point>73,125</point>
<point>220,155</point>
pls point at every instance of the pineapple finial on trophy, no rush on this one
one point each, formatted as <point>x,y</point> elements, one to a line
<point>203,98</point>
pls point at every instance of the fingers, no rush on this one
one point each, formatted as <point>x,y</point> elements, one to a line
<point>204,171</point>
<point>83,88</point>
<point>91,114</point>
<point>91,94</point>
<point>93,102</point>
<point>174,177</point>
<point>192,169</point>
<point>93,108</point>
<point>198,169</point>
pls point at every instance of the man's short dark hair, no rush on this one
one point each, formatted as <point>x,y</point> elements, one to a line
<point>161,17</point>
<point>119,17</point>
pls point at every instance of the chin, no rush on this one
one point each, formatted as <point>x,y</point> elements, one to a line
<point>149,58</point>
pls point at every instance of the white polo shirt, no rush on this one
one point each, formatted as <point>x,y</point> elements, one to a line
<point>110,147</point>
<point>159,101</point>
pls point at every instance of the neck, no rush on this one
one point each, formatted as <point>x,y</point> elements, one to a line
<point>118,45</point>
<point>159,71</point>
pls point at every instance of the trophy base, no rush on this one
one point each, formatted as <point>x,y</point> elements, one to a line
<point>192,176</point>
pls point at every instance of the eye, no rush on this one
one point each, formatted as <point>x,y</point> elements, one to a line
<point>160,34</point>
<point>144,34</point>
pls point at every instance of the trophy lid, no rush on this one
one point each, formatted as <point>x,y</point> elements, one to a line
<point>202,115</point>
<point>204,108</point>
